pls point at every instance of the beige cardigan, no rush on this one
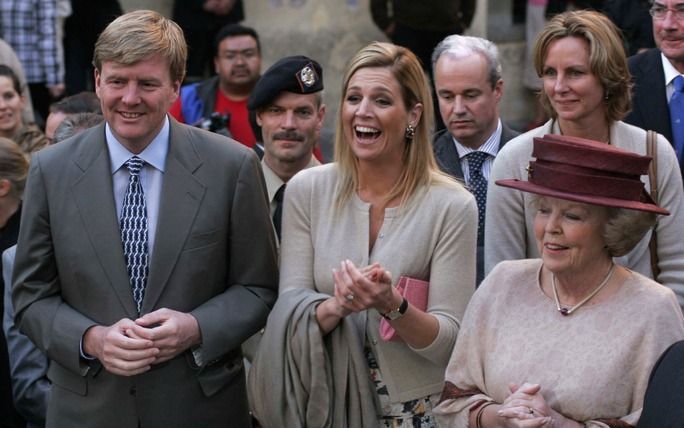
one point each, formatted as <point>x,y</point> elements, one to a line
<point>509,233</point>
<point>593,364</point>
<point>432,237</point>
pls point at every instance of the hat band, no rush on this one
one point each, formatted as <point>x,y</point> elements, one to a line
<point>561,179</point>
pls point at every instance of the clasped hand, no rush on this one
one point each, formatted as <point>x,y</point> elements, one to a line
<point>131,347</point>
<point>526,407</point>
<point>360,289</point>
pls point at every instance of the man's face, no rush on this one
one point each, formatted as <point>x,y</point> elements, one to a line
<point>135,99</point>
<point>290,127</point>
<point>669,32</point>
<point>467,102</point>
<point>53,120</point>
<point>238,61</point>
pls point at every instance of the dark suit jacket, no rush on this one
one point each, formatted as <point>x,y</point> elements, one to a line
<point>650,107</point>
<point>214,257</point>
<point>665,394</point>
<point>449,162</point>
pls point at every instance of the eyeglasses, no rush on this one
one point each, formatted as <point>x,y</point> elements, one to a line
<point>660,12</point>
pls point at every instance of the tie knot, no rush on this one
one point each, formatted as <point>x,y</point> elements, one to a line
<point>476,159</point>
<point>678,83</point>
<point>134,165</point>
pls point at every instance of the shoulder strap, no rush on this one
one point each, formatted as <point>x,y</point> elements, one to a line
<point>651,150</point>
<point>651,138</point>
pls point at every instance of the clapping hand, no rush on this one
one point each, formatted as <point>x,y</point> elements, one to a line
<point>360,289</point>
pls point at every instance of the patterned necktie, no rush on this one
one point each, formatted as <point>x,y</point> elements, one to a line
<point>478,186</point>
<point>677,116</point>
<point>278,213</point>
<point>134,231</point>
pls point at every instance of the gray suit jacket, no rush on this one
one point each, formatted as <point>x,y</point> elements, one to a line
<point>449,162</point>
<point>28,365</point>
<point>214,257</point>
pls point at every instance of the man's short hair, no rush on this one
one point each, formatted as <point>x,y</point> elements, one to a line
<point>234,30</point>
<point>83,102</point>
<point>461,46</point>
<point>140,35</point>
<point>75,123</point>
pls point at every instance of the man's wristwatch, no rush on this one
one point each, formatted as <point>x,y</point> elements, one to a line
<point>398,312</point>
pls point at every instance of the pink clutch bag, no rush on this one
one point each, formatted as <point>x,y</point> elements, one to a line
<point>413,290</point>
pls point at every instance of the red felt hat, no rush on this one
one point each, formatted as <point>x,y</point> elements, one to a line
<point>587,171</point>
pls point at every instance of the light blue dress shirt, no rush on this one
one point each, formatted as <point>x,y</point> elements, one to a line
<point>151,176</point>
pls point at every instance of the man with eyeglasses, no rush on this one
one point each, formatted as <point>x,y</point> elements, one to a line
<point>656,74</point>
<point>220,102</point>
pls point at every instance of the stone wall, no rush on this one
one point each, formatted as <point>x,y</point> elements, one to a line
<point>331,31</point>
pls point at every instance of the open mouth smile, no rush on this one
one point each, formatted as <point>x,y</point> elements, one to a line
<point>366,132</point>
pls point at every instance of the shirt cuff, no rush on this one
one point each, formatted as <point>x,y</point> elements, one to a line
<point>197,356</point>
<point>83,354</point>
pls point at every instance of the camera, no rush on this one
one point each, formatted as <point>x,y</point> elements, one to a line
<point>216,122</point>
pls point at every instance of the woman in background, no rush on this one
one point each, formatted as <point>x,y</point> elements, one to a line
<point>586,90</point>
<point>12,125</point>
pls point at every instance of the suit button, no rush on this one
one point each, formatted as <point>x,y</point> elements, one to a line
<point>132,391</point>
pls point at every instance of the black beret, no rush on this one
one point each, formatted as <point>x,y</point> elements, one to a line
<point>297,74</point>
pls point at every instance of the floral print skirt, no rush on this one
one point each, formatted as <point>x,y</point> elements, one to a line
<point>410,414</point>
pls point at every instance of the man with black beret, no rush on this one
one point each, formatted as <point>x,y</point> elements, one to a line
<point>288,106</point>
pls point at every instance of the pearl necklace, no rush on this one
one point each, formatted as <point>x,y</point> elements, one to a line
<point>568,311</point>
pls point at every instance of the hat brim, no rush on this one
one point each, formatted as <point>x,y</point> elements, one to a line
<point>526,186</point>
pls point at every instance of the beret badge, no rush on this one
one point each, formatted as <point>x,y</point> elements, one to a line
<point>307,76</point>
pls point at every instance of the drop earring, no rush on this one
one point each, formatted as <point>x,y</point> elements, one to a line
<point>410,132</point>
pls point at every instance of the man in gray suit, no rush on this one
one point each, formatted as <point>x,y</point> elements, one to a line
<point>147,255</point>
<point>468,84</point>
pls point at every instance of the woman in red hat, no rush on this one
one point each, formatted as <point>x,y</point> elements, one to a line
<point>566,340</point>
<point>586,90</point>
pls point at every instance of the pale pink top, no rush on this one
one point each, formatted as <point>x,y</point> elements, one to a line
<point>593,364</point>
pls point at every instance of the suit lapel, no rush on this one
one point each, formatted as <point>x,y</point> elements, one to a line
<point>92,191</point>
<point>507,134</point>
<point>181,197</point>
<point>651,99</point>
<point>447,155</point>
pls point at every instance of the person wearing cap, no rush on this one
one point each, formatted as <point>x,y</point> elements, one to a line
<point>288,106</point>
<point>237,62</point>
<point>580,57</point>
<point>351,230</point>
<point>568,339</point>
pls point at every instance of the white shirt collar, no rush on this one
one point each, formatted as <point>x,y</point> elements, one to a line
<point>491,146</point>
<point>668,68</point>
